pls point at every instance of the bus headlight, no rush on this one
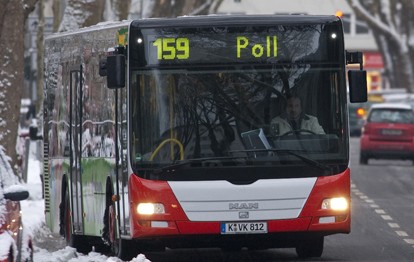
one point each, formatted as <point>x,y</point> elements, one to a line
<point>150,208</point>
<point>336,203</point>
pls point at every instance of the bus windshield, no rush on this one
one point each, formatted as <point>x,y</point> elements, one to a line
<point>227,117</point>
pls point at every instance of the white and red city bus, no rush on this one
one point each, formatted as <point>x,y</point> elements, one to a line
<point>157,133</point>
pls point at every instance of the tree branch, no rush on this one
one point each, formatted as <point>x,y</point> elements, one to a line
<point>375,21</point>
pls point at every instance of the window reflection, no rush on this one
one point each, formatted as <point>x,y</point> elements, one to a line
<point>205,112</point>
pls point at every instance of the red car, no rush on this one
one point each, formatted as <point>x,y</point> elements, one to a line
<point>388,133</point>
<point>15,243</point>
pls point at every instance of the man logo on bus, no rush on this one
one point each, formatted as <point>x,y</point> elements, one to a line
<point>258,49</point>
<point>244,215</point>
<point>239,206</point>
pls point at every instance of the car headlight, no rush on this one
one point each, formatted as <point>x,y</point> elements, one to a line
<point>336,203</point>
<point>150,208</point>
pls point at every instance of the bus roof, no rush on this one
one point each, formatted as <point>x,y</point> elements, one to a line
<point>190,21</point>
<point>99,26</point>
<point>205,20</point>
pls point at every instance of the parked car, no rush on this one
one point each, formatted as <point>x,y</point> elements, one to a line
<point>15,243</point>
<point>388,132</point>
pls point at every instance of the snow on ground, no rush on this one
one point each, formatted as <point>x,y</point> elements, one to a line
<point>34,222</point>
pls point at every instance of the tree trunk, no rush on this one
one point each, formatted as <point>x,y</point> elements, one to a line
<point>57,17</point>
<point>13,15</point>
<point>40,56</point>
<point>122,8</point>
<point>173,8</point>
<point>82,13</point>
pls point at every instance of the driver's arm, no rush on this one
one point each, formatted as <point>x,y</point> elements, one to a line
<point>279,126</point>
<point>313,125</point>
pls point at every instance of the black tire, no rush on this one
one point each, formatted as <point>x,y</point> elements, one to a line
<point>67,223</point>
<point>10,257</point>
<point>113,230</point>
<point>76,241</point>
<point>310,248</point>
<point>122,248</point>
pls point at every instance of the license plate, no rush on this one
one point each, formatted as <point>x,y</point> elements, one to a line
<point>391,132</point>
<point>244,228</point>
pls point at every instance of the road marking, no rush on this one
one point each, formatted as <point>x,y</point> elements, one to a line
<point>402,233</point>
<point>383,214</point>
<point>393,225</point>
<point>409,241</point>
<point>386,217</point>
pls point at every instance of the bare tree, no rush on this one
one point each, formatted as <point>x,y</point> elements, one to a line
<point>81,13</point>
<point>13,15</point>
<point>392,24</point>
<point>40,55</point>
<point>120,8</point>
<point>172,8</point>
<point>57,16</point>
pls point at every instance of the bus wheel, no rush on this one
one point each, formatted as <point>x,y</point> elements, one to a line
<point>67,225</point>
<point>10,257</point>
<point>124,249</point>
<point>113,236</point>
<point>310,248</point>
<point>76,241</point>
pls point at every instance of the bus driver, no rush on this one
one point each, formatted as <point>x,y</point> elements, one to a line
<point>294,119</point>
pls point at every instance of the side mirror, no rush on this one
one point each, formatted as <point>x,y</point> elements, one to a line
<point>115,71</point>
<point>357,86</point>
<point>16,193</point>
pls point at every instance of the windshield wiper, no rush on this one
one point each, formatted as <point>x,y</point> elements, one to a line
<point>305,159</point>
<point>175,165</point>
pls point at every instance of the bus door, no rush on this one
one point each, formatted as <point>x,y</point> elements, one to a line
<point>122,167</point>
<point>75,118</point>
